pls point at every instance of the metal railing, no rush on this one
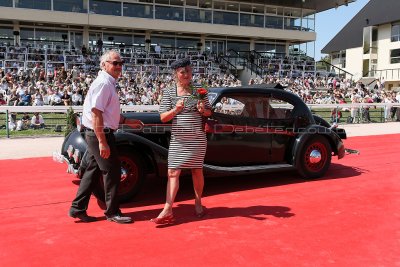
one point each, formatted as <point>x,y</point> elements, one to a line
<point>378,112</point>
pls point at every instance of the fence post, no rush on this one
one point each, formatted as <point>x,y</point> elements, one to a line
<point>7,129</point>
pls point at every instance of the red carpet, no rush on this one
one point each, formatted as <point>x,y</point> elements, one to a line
<point>350,218</point>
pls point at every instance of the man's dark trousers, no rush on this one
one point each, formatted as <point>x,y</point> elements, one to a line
<point>111,170</point>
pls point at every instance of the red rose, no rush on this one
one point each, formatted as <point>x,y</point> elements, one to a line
<point>201,91</point>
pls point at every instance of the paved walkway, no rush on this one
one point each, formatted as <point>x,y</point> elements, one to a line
<point>45,146</point>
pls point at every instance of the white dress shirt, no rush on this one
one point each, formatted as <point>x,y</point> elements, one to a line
<point>103,96</point>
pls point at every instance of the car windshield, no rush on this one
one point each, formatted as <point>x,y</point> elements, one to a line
<point>211,97</point>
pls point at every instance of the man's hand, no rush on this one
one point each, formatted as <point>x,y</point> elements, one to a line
<point>104,150</point>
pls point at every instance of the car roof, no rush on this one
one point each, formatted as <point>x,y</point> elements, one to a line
<point>274,89</point>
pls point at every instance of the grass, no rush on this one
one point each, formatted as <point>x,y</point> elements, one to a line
<point>31,132</point>
<point>51,121</point>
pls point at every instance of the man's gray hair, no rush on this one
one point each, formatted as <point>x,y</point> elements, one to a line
<point>106,56</point>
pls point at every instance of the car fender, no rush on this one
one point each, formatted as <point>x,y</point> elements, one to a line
<point>154,155</point>
<point>307,133</point>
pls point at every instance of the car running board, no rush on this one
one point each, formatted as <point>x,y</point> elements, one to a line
<point>248,168</point>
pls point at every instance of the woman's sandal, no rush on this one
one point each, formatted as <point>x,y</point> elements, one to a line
<point>202,213</point>
<point>164,220</point>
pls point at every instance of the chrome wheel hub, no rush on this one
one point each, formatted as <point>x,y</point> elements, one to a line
<point>315,156</point>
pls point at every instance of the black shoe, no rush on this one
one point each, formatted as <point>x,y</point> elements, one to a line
<point>83,217</point>
<point>119,219</point>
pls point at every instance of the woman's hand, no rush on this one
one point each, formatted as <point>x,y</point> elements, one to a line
<point>201,106</point>
<point>179,106</point>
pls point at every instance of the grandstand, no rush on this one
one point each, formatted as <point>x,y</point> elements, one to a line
<point>240,37</point>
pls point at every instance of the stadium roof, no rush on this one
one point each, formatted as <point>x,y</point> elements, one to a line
<point>317,5</point>
<point>375,12</point>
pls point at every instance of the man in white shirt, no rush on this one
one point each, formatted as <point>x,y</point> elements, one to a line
<point>101,117</point>
<point>37,121</point>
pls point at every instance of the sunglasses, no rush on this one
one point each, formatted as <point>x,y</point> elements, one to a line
<point>115,63</point>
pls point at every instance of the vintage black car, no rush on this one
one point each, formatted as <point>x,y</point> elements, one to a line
<point>252,129</point>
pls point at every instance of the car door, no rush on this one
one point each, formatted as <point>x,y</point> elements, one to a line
<point>281,122</point>
<point>237,136</point>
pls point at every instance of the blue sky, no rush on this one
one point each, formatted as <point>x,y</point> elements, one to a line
<point>330,22</point>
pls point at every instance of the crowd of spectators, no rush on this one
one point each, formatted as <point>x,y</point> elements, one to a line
<point>61,86</point>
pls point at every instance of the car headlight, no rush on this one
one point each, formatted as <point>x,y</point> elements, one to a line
<point>70,151</point>
<point>77,156</point>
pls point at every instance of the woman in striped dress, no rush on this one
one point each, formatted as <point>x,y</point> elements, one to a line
<point>188,139</point>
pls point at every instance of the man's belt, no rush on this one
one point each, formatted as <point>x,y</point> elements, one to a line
<point>105,130</point>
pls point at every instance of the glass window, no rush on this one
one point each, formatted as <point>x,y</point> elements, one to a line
<point>191,2</point>
<point>395,35</point>
<point>187,43</point>
<point>238,46</point>
<point>6,34</point>
<point>232,6</point>
<point>176,2</point>
<point>272,10</point>
<point>138,40</point>
<point>231,105</point>
<point>198,15</point>
<point>117,39</point>
<point>34,4</point>
<point>270,49</point>
<point>227,18</point>
<point>50,35</point>
<point>164,2</point>
<point>367,40</point>
<point>205,4</point>
<point>309,23</point>
<point>169,13</point>
<point>164,41</point>
<point>251,20</point>
<point>138,10</point>
<point>246,8</point>
<point>273,22</point>
<point>293,24</point>
<point>219,5</point>
<point>69,6</point>
<point>6,3</point>
<point>27,34</point>
<point>105,7</point>
<point>395,56</point>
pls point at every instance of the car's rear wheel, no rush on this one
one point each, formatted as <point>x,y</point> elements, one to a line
<point>315,157</point>
<point>132,177</point>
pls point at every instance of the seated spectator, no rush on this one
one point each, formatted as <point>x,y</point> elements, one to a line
<point>55,99</point>
<point>12,121</point>
<point>38,99</point>
<point>2,101</point>
<point>25,99</point>
<point>37,121</point>
<point>13,99</point>
<point>24,122</point>
<point>66,98</point>
<point>76,98</point>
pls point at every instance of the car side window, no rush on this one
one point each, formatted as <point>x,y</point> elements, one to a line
<point>230,106</point>
<point>280,109</point>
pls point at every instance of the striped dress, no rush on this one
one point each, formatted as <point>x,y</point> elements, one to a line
<point>188,140</point>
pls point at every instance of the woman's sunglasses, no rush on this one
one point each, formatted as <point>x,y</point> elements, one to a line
<point>115,63</point>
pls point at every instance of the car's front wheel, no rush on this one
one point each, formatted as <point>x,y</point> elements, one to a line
<point>132,177</point>
<point>314,157</point>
